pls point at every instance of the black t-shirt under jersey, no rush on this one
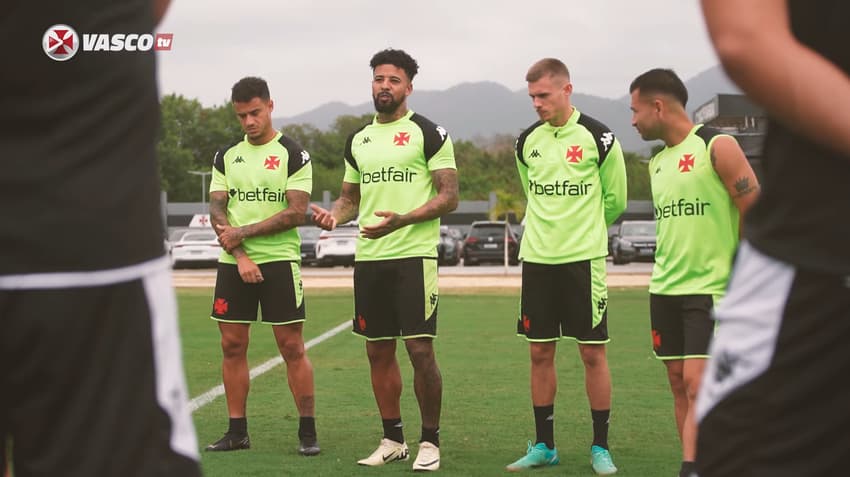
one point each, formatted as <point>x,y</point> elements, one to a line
<point>803,214</point>
<point>79,187</point>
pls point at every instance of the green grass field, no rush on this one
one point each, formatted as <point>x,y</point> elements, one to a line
<point>487,417</point>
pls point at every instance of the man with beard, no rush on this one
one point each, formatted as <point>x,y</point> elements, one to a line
<point>400,176</point>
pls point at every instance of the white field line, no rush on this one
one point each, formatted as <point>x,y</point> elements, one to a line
<point>209,396</point>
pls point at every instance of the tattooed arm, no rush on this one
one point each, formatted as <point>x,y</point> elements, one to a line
<point>248,270</point>
<point>344,209</point>
<point>292,216</point>
<point>735,172</point>
<point>445,182</point>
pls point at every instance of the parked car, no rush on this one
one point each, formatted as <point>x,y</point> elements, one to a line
<point>309,237</point>
<point>634,241</point>
<point>337,246</point>
<point>485,242</point>
<point>199,247</point>
<point>449,248</point>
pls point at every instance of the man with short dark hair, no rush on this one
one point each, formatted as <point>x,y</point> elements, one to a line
<point>701,185</point>
<point>259,193</point>
<point>774,399</point>
<point>572,171</point>
<point>400,177</point>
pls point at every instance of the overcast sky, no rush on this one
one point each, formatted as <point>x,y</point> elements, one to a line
<point>315,51</point>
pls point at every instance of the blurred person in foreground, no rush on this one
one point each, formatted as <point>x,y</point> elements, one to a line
<point>774,399</point>
<point>92,376</point>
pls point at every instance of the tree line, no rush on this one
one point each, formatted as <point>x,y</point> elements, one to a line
<point>191,134</point>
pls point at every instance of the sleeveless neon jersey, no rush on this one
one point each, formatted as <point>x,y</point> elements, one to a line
<point>392,163</point>
<point>256,179</point>
<point>695,219</point>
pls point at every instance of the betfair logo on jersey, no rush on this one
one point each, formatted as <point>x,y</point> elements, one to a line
<point>387,174</point>
<point>258,195</point>
<point>681,208</point>
<point>563,188</point>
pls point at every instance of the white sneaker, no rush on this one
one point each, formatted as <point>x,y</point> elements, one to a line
<point>387,451</point>
<point>428,457</point>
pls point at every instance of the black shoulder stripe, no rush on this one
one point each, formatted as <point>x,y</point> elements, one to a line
<point>218,158</point>
<point>349,156</point>
<point>520,141</point>
<point>707,134</point>
<point>298,156</point>
<point>435,136</point>
<point>602,135</point>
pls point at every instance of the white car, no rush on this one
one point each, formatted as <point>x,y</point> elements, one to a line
<point>200,247</point>
<point>337,246</point>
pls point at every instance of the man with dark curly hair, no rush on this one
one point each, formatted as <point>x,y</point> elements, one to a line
<point>400,176</point>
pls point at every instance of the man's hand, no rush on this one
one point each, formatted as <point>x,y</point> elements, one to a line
<point>392,222</point>
<point>248,270</point>
<point>323,218</point>
<point>229,237</point>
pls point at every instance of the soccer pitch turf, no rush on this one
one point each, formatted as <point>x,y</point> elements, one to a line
<point>486,418</point>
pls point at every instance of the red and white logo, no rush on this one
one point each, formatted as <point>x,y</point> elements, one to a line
<point>401,139</point>
<point>686,163</point>
<point>574,154</point>
<point>60,42</point>
<point>272,163</point>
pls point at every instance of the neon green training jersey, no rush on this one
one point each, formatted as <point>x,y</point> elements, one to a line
<point>695,219</point>
<point>392,163</point>
<point>574,178</point>
<point>256,179</point>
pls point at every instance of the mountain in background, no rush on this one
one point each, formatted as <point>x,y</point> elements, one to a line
<point>479,110</point>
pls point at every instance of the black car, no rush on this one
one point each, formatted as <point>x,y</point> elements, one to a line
<point>309,237</point>
<point>634,241</point>
<point>450,246</point>
<point>485,242</point>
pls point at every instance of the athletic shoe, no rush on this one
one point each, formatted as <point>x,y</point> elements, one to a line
<point>388,451</point>
<point>538,455</point>
<point>309,446</point>
<point>230,442</point>
<point>601,461</point>
<point>428,457</point>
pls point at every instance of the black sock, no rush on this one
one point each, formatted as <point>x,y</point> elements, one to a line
<point>600,427</point>
<point>687,469</point>
<point>544,421</point>
<point>393,429</point>
<point>238,426</point>
<point>307,427</point>
<point>431,435</point>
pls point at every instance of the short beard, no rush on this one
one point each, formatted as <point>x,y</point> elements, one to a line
<point>385,108</point>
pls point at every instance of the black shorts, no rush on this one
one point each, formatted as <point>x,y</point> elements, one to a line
<point>91,376</point>
<point>682,325</point>
<point>396,298</point>
<point>775,396</point>
<point>280,295</point>
<point>569,300</point>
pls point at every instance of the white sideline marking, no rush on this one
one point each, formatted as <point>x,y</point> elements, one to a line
<point>209,396</point>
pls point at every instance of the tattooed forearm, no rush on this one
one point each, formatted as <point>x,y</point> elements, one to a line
<point>218,209</point>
